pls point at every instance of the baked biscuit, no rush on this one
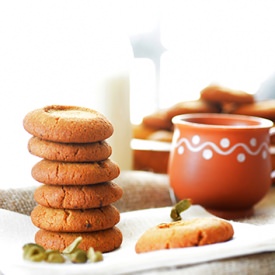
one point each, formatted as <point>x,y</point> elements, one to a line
<point>68,124</point>
<point>161,135</point>
<point>104,240</point>
<point>265,109</point>
<point>185,233</point>
<point>193,106</point>
<point>140,131</point>
<point>69,152</point>
<point>68,220</point>
<point>158,121</point>
<point>220,94</point>
<point>78,197</point>
<point>74,173</point>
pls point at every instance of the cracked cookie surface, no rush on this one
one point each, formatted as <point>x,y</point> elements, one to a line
<point>78,197</point>
<point>104,240</point>
<point>69,152</point>
<point>73,173</point>
<point>68,220</point>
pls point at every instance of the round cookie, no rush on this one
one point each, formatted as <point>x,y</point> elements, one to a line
<point>74,173</point>
<point>78,197</point>
<point>140,131</point>
<point>69,152</point>
<point>161,135</point>
<point>265,109</point>
<point>103,240</point>
<point>219,94</point>
<point>68,124</point>
<point>185,233</point>
<point>158,121</point>
<point>68,220</point>
<point>193,106</point>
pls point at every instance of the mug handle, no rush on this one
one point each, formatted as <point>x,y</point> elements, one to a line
<point>272,133</point>
<point>272,130</point>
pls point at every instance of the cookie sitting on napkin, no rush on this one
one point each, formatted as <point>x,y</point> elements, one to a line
<point>77,192</point>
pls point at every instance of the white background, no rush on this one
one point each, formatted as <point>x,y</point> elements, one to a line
<point>54,52</point>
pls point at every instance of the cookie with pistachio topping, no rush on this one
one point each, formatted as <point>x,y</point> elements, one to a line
<point>185,233</point>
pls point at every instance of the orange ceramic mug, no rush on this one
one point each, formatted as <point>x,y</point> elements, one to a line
<point>221,161</point>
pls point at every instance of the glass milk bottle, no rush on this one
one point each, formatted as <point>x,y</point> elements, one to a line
<point>112,96</point>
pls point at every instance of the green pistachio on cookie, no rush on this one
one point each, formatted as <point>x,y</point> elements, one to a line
<point>178,208</point>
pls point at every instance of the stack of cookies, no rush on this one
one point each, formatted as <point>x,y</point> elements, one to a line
<point>77,191</point>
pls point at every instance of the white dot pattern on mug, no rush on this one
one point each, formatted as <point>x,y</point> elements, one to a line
<point>225,147</point>
<point>181,150</point>
<point>241,157</point>
<point>225,142</point>
<point>207,154</point>
<point>264,154</point>
<point>196,139</point>
<point>253,142</point>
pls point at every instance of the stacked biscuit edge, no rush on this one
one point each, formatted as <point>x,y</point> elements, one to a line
<point>76,174</point>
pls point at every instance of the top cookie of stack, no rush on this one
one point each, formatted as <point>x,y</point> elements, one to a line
<point>66,135</point>
<point>76,173</point>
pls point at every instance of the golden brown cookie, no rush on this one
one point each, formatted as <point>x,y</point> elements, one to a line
<point>185,233</point>
<point>193,106</point>
<point>73,173</point>
<point>161,135</point>
<point>68,124</point>
<point>69,152</point>
<point>265,109</point>
<point>68,220</point>
<point>220,94</point>
<point>78,197</point>
<point>103,240</point>
<point>140,131</point>
<point>158,121</point>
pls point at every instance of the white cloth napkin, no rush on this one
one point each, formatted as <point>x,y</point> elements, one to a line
<point>17,229</point>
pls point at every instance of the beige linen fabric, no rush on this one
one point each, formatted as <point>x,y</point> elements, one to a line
<point>141,190</point>
<point>18,200</point>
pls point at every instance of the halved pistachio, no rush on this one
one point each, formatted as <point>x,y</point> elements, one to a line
<point>54,256</point>
<point>34,252</point>
<point>179,208</point>
<point>73,246</point>
<point>78,256</point>
<point>94,256</point>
